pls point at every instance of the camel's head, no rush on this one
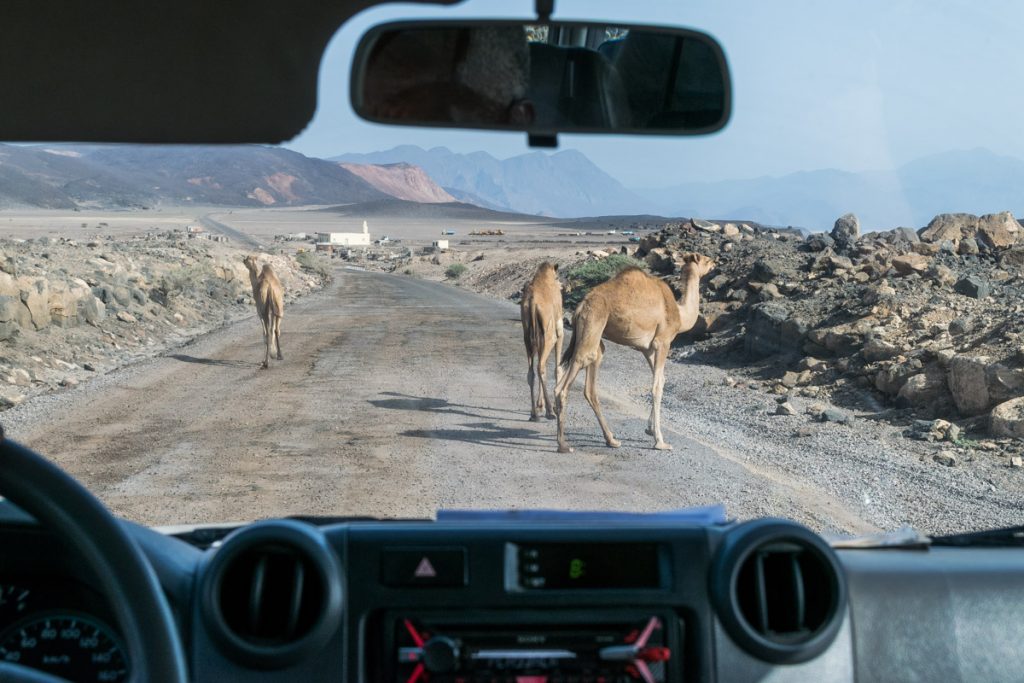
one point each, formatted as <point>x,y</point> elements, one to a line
<point>700,263</point>
<point>548,268</point>
<point>250,262</point>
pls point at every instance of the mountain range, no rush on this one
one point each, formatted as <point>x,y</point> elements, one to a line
<point>563,184</point>
<point>974,181</point>
<point>66,176</point>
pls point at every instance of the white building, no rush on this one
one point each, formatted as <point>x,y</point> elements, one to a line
<point>346,239</point>
<point>440,245</point>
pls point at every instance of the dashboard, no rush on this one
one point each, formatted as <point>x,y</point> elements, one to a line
<point>519,602</point>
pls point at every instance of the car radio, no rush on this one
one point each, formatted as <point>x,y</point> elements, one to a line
<point>525,647</point>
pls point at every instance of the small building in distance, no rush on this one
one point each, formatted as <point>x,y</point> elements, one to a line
<point>440,245</point>
<point>345,239</point>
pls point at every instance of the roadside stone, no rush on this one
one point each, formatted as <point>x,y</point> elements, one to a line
<point>998,230</point>
<point>878,349</point>
<point>785,408</point>
<point>846,231</point>
<point>819,242</point>
<point>968,247</point>
<point>968,384</point>
<point>909,264</point>
<point>706,226</point>
<point>126,317</point>
<point>947,458</point>
<point>961,326</point>
<point>835,415</point>
<point>1016,461</point>
<point>1007,418</point>
<point>88,367</point>
<point>950,226</point>
<point>972,286</point>
<point>925,389</point>
<point>730,230</point>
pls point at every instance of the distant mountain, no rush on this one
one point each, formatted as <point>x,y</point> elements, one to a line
<point>64,176</point>
<point>562,184</point>
<point>975,181</point>
<point>402,181</point>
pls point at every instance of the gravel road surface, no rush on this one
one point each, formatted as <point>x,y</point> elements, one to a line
<point>398,397</point>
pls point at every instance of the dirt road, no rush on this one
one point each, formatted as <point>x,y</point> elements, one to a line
<point>396,397</point>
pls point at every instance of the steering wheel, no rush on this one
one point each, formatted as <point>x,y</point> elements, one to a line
<point>64,507</point>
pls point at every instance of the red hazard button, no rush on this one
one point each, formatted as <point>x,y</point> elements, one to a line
<point>436,567</point>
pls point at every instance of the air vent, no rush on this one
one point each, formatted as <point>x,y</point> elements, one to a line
<point>272,593</point>
<point>779,591</point>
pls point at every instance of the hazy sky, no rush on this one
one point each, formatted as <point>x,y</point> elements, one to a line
<point>816,84</point>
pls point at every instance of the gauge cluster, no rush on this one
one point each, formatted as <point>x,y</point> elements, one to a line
<point>61,627</point>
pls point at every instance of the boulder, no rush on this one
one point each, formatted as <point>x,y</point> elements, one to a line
<point>706,226</point>
<point>1007,419</point>
<point>941,274</point>
<point>972,286</point>
<point>879,349</point>
<point>763,271</point>
<point>998,230</point>
<point>36,298</point>
<point>771,330</point>
<point>730,230</point>
<point>846,230</point>
<point>92,310</point>
<point>905,235</point>
<point>925,389</point>
<point>950,226</point>
<point>1012,259</point>
<point>968,246</point>
<point>891,379</point>
<point>9,307</point>
<point>910,263</point>
<point>968,383</point>
<point>819,242</point>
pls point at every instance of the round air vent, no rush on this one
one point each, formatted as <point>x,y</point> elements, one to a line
<point>779,590</point>
<point>271,593</point>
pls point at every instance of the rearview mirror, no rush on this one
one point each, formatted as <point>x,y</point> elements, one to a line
<point>542,78</point>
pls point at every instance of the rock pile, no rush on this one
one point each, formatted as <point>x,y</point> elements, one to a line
<point>929,321</point>
<point>70,309</point>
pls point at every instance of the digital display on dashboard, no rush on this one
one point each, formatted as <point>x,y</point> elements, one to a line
<point>558,566</point>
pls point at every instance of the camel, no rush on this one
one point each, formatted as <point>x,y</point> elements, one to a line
<point>268,293</point>
<point>541,313</point>
<point>636,310</point>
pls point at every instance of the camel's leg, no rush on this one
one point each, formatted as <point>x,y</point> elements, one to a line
<point>649,355</point>
<point>277,336</point>
<point>559,333</point>
<point>590,393</point>
<point>542,366</point>
<point>266,341</point>
<point>535,399</point>
<point>561,400</point>
<point>658,387</point>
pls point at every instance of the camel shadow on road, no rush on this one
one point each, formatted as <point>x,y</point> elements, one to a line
<point>436,405</point>
<point>489,434</point>
<point>212,361</point>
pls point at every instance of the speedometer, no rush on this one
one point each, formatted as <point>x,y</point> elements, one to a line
<point>74,647</point>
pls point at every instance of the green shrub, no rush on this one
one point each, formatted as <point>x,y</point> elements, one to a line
<point>586,276</point>
<point>312,263</point>
<point>454,271</point>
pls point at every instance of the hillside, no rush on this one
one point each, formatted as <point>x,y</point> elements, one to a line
<point>402,181</point>
<point>66,176</point>
<point>400,208</point>
<point>563,184</point>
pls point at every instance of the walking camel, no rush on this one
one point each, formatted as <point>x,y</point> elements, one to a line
<point>636,310</point>
<point>541,312</point>
<point>268,293</point>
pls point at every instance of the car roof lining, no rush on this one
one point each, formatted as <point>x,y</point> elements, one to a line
<point>188,71</point>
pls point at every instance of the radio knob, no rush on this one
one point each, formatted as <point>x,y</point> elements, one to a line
<point>441,655</point>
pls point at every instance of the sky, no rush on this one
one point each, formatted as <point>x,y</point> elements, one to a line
<point>816,84</point>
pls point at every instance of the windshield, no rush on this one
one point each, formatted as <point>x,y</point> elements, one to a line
<point>813,314</point>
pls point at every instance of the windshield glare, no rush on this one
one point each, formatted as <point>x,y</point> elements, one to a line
<point>813,314</point>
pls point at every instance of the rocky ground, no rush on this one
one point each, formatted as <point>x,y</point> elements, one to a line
<point>73,309</point>
<point>915,333</point>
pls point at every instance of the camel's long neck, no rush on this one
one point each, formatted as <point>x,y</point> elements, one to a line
<point>689,302</point>
<point>254,279</point>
